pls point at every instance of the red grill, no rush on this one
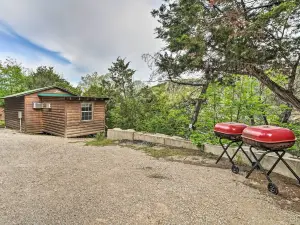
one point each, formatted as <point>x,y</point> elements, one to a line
<point>272,139</point>
<point>269,137</point>
<point>230,130</point>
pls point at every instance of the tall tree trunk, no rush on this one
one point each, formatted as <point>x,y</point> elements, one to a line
<point>252,121</point>
<point>231,108</point>
<point>282,93</point>
<point>240,101</point>
<point>265,120</point>
<point>200,101</point>
<point>288,112</point>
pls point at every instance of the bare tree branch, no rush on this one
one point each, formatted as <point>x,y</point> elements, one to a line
<point>265,6</point>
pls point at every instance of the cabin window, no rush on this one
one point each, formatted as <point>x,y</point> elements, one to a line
<point>86,111</point>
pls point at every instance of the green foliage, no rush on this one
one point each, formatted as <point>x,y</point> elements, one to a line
<point>2,123</point>
<point>46,76</point>
<point>100,140</point>
<point>12,78</point>
<point>100,136</point>
<point>104,142</point>
<point>201,138</point>
<point>233,37</point>
<point>122,77</point>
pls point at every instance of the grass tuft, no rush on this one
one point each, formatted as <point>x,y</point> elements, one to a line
<point>103,142</point>
<point>167,152</point>
<point>100,140</point>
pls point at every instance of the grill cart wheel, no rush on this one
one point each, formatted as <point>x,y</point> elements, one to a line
<point>235,169</point>
<point>273,188</point>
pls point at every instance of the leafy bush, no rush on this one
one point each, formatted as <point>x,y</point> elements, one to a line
<point>295,150</point>
<point>100,136</point>
<point>201,138</point>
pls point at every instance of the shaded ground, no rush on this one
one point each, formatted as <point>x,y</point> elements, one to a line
<point>51,180</point>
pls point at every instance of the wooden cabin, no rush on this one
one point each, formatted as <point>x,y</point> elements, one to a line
<point>55,111</point>
<point>1,113</point>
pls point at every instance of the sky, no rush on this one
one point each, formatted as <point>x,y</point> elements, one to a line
<point>78,37</point>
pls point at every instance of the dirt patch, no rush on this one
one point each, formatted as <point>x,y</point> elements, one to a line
<point>46,180</point>
<point>157,176</point>
<point>147,168</point>
<point>289,190</point>
<point>101,143</point>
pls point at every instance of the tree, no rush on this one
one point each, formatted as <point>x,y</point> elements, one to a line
<point>242,37</point>
<point>122,76</point>
<point>95,85</point>
<point>13,77</point>
<point>46,76</point>
<point>187,51</point>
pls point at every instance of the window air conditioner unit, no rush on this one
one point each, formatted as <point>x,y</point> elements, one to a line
<point>37,105</point>
<point>47,105</point>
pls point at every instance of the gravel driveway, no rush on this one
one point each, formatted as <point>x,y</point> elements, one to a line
<point>52,180</point>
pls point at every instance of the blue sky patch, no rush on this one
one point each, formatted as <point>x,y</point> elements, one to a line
<point>11,41</point>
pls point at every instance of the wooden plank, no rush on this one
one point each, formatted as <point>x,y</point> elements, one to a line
<point>76,127</point>
<point>54,119</point>
<point>33,116</point>
<point>12,107</point>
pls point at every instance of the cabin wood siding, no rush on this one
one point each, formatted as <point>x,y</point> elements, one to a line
<point>12,107</point>
<point>75,127</point>
<point>35,117</point>
<point>2,114</point>
<point>54,119</point>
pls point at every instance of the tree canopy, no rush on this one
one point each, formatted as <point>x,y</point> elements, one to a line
<point>256,38</point>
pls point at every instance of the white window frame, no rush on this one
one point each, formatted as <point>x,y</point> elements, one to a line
<point>92,106</point>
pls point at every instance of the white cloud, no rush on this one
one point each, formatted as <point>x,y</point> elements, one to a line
<point>90,33</point>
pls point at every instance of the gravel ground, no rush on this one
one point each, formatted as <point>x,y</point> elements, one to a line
<point>52,180</point>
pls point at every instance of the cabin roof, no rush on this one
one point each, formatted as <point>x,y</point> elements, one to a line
<point>55,95</point>
<point>82,98</point>
<point>74,98</point>
<point>37,90</point>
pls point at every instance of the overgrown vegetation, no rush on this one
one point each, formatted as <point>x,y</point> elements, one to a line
<point>100,140</point>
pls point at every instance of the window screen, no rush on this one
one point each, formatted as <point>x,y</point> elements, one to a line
<point>86,111</point>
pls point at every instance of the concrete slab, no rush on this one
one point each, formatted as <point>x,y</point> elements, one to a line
<point>152,138</point>
<point>118,134</point>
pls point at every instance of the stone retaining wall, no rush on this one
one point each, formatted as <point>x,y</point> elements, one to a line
<point>267,162</point>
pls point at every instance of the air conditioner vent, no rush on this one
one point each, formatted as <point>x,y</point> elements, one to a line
<point>40,105</point>
<point>37,105</point>
<point>47,105</point>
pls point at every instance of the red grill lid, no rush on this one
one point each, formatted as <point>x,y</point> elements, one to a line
<point>269,134</point>
<point>230,128</point>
